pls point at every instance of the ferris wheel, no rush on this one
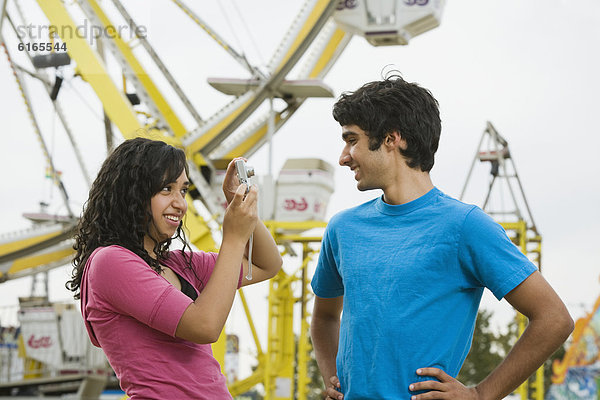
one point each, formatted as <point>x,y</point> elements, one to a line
<point>104,48</point>
<point>102,58</point>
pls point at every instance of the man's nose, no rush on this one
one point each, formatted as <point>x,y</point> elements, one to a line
<point>344,158</point>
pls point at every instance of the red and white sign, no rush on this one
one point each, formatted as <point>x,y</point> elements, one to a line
<point>39,327</point>
<point>39,342</point>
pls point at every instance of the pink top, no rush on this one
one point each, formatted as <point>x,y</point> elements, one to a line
<point>132,313</point>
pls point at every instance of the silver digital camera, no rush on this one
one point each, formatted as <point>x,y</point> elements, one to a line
<point>244,172</point>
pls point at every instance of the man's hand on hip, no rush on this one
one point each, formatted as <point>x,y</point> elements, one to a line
<point>332,387</point>
<point>446,388</point>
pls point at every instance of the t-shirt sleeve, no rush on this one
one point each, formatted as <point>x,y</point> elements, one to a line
<point>327,281</point>
<point>488,256</point>
<point>204,265</point>
<point>122,282</point>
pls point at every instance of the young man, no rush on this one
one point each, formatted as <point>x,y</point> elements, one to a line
<point>408,269</point>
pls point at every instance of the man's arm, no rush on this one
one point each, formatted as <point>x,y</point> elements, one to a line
<point>549,326</point>
<point>325,332</point>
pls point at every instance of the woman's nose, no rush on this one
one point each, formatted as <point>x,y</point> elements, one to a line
<point>179,202</point>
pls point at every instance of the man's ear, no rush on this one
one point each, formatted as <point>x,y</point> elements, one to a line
<point>394,140</point>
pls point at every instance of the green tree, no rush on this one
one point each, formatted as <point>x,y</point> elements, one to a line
<point>487,351</point>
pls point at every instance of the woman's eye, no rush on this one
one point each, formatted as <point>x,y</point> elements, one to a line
<point>166,189</point>
<point>184,191</point>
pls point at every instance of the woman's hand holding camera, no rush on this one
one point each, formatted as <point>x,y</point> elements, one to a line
<point>241,215</point>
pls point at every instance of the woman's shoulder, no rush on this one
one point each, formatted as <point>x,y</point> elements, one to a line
<point>112,251</point>
<point>115,258</point>
<point>199,258</point>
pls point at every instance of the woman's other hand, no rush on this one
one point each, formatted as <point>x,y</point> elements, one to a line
<point>231,180</point>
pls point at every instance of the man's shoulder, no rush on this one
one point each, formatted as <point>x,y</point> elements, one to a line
<point>452,209</point>
<point>352,213</point>
<point>470,213</point>
<point>449,201</point>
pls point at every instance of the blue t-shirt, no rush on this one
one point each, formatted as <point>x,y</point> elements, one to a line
<point>412,277</point>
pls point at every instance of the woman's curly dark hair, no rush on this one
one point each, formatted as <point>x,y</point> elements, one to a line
<point>117,211</point>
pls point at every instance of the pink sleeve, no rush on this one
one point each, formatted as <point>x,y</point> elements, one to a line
<point>204,263</point>
<point>122,282</point>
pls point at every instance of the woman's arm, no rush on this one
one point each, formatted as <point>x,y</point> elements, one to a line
<point>203,320</point>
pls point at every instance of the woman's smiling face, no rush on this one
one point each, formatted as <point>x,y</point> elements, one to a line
<point>168,207</point>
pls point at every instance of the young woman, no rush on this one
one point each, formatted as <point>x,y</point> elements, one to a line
<point>154,311</point>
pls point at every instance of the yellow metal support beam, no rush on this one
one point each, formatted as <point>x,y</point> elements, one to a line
<point>277,366</point>
<point>535,389</point>
<point>329,54</point>
<point>242,386</point>
<point>239,387</point>
<point>18,244</point>
<point>281,227</point>
<point>314,22</point>
<point>318,10</point>
<point>538,385</point>
<point>34,261</point>
<point>332,48</point>
<point>304,346</point>
<point>92,69</point>
<point>199,232</point>
<point>209,135</point>
<point>279,371</point>
<point>219,348</point>
<point>159,100</point>
<point>252,140</point>
<point>259,351</point>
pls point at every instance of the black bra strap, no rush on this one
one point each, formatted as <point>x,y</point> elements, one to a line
<point>186,287</point>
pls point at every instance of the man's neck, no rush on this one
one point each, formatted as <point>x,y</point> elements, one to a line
<point>408,185</point>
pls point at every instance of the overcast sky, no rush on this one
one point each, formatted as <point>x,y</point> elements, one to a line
<point>531,68</point>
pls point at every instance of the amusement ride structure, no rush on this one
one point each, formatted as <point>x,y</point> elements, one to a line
<point>54,356</point>
<point>49,353</point>
<point>505,201</point>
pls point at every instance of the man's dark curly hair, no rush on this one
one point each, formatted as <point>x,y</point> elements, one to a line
<point>117,211</point>
<point>394,105</point>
